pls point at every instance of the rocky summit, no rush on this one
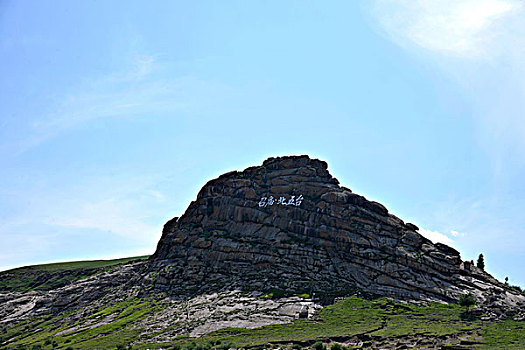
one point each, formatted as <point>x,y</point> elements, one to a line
<point>289,226</point>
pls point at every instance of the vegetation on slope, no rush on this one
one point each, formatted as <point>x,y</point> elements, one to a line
<point>50,276</point>
<point>350,321</point>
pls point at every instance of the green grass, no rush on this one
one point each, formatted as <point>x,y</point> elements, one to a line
<point>71,265</point>
<point>100,336</point>
<point>434,320</point>
<point>342,320</point>
<point>50,276</point>
<point>346,318</point>
<point>380,317</point>
<point>504,335</point>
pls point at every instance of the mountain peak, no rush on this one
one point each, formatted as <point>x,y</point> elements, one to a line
<point>288,225</point>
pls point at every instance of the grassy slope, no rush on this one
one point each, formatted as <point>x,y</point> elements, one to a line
<point>380,317</point>
<point>51,276</point>
<point>345,319</point>
<point>337,322</point>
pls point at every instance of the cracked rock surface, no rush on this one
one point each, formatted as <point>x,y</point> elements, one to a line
<point>248,230</point>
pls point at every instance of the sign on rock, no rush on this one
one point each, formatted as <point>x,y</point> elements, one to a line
<point>271,200</point>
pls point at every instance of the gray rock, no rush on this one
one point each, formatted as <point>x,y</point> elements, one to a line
<point>333,242</point>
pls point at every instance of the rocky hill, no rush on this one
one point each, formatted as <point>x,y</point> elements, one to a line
<point>261,248</point>
<point>288,225</point>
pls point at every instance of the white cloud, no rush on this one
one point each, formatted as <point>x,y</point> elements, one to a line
<point>467,28</point>
<point>436,236</point>
<point>480,44</point>
<point>457,234</point>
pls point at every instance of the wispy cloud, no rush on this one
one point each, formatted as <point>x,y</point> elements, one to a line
<point>128,211</point>
<point>141,90</point>
<point>113,215</point>
<point>466,28</point>
<point>480,44</point>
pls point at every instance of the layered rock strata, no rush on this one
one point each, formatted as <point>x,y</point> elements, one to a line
<point>288,225</point>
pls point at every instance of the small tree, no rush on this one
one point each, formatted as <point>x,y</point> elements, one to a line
<point>467,300</point>
<point>506,281</point>
<point>481,262</point>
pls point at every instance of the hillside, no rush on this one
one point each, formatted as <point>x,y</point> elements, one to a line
<point>353,322</point>
<point>278,256</point>
<point>51,276</point>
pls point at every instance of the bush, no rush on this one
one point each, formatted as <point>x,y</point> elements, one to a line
<point>318,346</point>
<point>297,347</point>
<point>467,300</point>
<point>336,347</point>
<point>69,348</point>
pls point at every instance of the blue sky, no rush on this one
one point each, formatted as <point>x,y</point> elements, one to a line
<point>114,115</point>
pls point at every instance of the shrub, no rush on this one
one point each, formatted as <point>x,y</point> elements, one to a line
<point>467,300</point>
<point>297,347</point>
<point>336,346</point>
<point>318,346</point>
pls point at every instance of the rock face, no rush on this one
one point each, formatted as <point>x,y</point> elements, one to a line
<point>289,226</point>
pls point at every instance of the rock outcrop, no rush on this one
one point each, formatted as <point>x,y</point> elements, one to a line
<point>288,225</point>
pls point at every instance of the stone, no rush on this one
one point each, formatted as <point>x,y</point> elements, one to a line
<point>411,226</point>
<point>304,312</point>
